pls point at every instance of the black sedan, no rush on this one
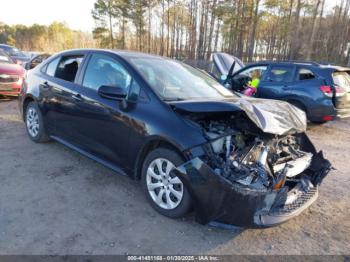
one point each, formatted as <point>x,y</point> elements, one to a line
<point>191,142</point>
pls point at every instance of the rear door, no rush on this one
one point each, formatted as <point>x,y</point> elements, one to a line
<point>305,87</point>
<point>59,89</point>
<point>276,81</point>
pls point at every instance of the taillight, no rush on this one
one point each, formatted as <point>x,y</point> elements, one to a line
<point>327,118</point>
<point>327,90</point>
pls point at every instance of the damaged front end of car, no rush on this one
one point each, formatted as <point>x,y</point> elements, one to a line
<point>247,177</point>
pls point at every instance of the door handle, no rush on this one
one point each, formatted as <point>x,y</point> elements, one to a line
<point>45,85</point>
<point>77,97</point>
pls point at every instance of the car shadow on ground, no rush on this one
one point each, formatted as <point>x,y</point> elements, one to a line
<point>7,98</point>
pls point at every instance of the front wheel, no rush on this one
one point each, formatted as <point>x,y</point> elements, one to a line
<point>165,192</point>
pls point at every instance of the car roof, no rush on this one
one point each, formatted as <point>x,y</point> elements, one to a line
<point>304,63</point>
<point>265,62</point>
<point>122,53</point>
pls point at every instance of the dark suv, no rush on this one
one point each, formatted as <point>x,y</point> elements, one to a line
<point>322,91</point>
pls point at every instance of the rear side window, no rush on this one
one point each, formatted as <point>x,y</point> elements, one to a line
<point>305,74</point>
<point>255,72</point>
<point>67,68</point>
<point>280,74</point>
<point>52,66</point>
<point>341,79</point>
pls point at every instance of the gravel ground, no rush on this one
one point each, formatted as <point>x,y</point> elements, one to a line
<point>55,201</point>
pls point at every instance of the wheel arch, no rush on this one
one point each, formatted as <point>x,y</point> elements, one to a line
<point>151,144</point>
<point>25,103</point>
<point>297,102</point>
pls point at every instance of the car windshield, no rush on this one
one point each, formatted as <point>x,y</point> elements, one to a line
<point>173,80</point>
<point>4,58</point>
<point>16,52</point>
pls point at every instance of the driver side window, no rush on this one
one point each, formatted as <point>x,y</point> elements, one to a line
<point>257,71</point>
<point>103,70</point>
<point>241,80</point>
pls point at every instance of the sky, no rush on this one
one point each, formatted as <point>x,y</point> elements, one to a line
<point>76,13</point>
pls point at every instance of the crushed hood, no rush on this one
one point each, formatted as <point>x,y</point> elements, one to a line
<point>271,116</point>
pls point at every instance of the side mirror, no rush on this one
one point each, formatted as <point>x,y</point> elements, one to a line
<point>112,92</point>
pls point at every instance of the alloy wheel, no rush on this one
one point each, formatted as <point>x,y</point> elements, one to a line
<point>32,120</point>
<point>166,190</point>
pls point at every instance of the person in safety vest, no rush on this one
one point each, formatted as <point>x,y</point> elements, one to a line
<point>252,86</point>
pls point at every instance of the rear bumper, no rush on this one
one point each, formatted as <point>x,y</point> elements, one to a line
<point>323,111</point>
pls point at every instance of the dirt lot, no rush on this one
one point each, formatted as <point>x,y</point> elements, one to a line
<point>55,201</point>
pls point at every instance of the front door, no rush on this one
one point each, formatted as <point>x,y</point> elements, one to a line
<point>103,125</point>
<point>242,78</point>
<point>276,82</point>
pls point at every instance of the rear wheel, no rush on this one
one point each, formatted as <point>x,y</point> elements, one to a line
<point>34,124</point>
<point>165,192</point>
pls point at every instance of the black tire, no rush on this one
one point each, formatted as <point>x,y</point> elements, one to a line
<point>320,122</point>
<point>41,136</point>
<point>184,205</point>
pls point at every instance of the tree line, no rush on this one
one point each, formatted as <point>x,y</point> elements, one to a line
<point>52,38</point>
<point>192,29</point>
<point>249,29</point>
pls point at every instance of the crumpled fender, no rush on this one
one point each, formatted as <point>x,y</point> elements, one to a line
<point>216,199</point>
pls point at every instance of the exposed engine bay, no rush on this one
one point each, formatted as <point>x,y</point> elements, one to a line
<point>255,158</point>
<point>258,162</point>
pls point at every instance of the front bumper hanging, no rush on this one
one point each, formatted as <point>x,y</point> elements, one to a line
<point>217,199</point>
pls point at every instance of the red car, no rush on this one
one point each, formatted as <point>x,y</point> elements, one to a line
<point>11,76</point>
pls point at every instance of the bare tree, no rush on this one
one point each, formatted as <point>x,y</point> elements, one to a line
<point>295,40</point>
